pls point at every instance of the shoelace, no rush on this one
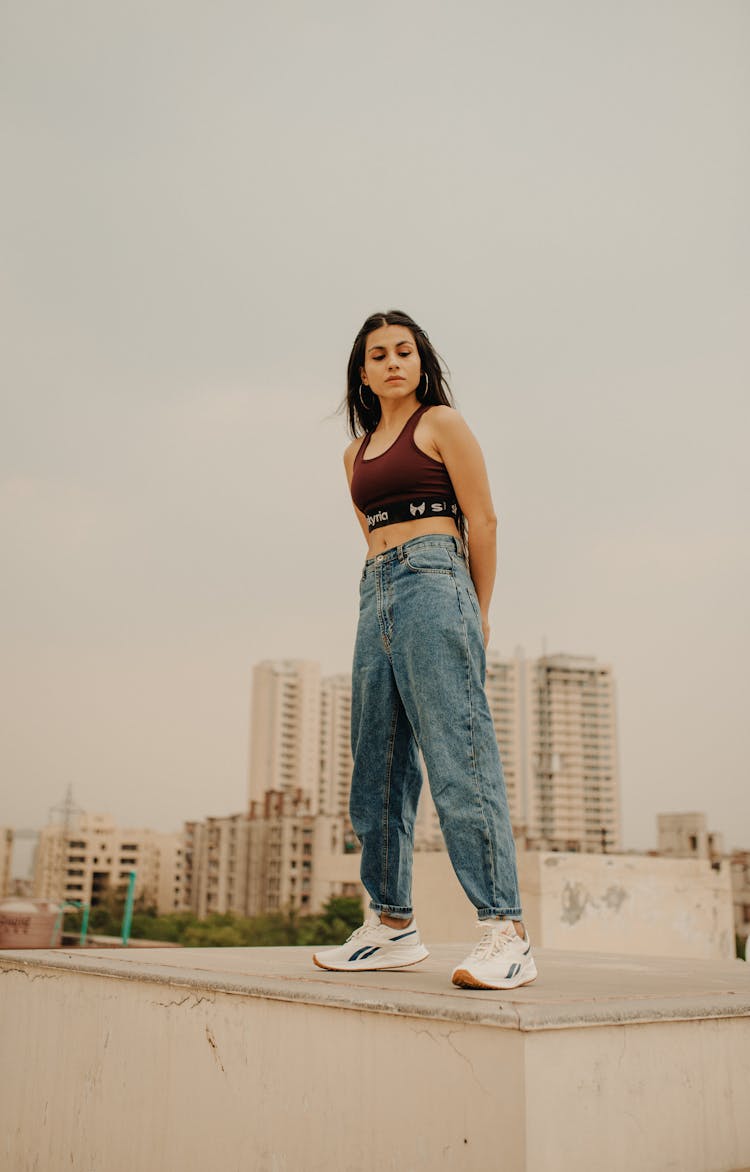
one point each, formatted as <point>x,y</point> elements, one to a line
<point>362,930</point>
<point>494,940</point>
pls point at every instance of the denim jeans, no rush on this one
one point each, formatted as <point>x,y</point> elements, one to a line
<point>418,682</point>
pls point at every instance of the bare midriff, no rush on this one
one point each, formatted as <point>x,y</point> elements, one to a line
<point>389,536</point>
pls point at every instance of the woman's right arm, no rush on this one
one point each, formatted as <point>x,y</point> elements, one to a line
<point>349,455</point>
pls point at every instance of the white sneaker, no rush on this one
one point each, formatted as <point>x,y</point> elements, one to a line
<point>374,946</point>
<point>501,959</point>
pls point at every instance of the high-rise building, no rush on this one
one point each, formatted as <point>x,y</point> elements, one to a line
<point>569,730</point>
<point>285,729</point>
<point>335,745</point>
<point>503,687</point>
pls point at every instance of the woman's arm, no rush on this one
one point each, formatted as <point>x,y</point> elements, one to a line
<point>349,455</point>
<point>463,458</point>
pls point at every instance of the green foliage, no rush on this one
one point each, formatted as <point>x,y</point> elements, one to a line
<point>338,919</point>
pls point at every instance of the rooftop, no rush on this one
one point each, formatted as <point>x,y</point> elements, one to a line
<point>239,1058</point>
<point>573,988</point>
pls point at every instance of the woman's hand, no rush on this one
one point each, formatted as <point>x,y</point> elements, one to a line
<point>463,458</point>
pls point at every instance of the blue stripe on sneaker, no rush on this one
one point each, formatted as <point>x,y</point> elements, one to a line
<point>514,968</point>
<point>368,954</point>
<point>360,953</point>
<point>403,935</point>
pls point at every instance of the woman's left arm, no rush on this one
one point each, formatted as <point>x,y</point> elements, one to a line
<point>463,458</point>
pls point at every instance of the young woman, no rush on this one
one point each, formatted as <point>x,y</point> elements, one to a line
<point>420,491</point>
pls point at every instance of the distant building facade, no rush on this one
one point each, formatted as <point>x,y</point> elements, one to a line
<point>335,745</point>
<point>216,865</point>
<point>739,863</point>
<point>91,857</point>
<point>277,858</point>
<point>285,729</point>
<point>569,769</point>
<point>6,854</point>
<point>686,836</point>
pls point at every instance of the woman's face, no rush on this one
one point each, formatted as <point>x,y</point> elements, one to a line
<point>392,366</point>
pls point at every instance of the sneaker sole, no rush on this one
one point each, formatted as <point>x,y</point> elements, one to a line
<point>364,966</point>
<point>466,980</point>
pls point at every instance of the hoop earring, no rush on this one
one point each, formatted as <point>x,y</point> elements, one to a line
<point>361,399</point>
<point>426,388</point>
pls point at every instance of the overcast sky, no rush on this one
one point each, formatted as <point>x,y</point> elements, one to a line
<point>202,203</point>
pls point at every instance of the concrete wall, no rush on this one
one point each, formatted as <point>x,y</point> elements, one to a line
<point>131,1077</point>
<point>595,903</point>
<point>139,1065</point>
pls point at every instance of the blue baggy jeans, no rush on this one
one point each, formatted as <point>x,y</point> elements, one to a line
<point>418,679</point>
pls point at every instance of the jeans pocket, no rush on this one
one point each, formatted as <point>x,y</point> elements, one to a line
<point>474,601</point>
<point>430,559</point>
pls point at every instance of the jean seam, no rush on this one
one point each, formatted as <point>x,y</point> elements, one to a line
<point>381,610</point>
<point>473,746</point>
<point>426,569</point>
<point>387,802</point>
<point>395,910</point>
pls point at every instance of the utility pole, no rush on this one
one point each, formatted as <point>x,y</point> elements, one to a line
<point>68,810</point>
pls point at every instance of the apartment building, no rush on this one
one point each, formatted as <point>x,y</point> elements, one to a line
<point>503,687</point>
<point>6,854</point>
<point>216,865</point>
<point>335,745</point>
<point>569,734</point>
<point>90,856</point>
<point>279,856</point>
<point>288,845</point>
<point>285,729</point>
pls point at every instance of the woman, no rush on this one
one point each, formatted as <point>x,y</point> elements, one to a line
<point>420,491</point>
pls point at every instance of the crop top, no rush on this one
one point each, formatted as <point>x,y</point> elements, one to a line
<point>403,483</point>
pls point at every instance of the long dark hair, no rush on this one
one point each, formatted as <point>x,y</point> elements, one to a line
<point>363,408</point>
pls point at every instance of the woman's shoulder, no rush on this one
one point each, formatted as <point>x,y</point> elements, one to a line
<point>444,418</point>
<point>350,451</point>
<point>441,411</point>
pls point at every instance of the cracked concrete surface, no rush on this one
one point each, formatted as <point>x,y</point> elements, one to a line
<point>233,1058</point>
<point>572,990</point>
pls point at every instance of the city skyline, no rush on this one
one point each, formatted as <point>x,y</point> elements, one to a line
<point>294,703</point>
<point>201,208</point>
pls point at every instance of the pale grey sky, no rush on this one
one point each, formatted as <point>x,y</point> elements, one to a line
<point>201,204</point>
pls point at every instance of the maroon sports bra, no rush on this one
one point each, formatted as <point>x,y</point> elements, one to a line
<point>403,483</point>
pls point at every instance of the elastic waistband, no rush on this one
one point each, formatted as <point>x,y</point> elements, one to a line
<point>411,510</point>
<point>399,552</point>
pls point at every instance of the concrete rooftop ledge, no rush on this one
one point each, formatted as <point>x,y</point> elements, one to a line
<point>239,1059</point>
<point>573,990</point>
